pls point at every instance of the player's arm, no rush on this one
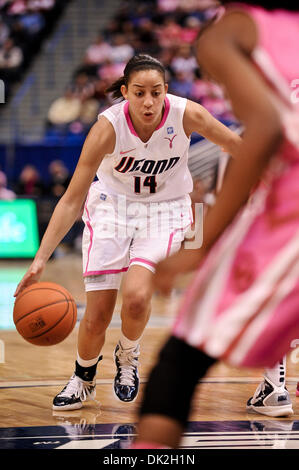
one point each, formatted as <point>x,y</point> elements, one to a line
<point>230,65</point>
<point>99,142</point>
<point>198,119</point>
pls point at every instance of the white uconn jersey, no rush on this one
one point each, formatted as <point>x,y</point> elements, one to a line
<point>156,170</point>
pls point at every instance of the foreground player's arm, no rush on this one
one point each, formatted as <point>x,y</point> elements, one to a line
<point>251,102</point>
<point>198,119</point>
<point>99,142</point>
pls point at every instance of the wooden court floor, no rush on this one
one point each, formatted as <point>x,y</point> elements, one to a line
<point>30,376</point>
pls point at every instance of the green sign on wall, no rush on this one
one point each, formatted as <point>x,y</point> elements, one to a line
<point>19,236</point>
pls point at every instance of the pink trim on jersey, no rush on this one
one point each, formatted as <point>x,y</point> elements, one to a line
<point>165,114</point>
<point>105,271</point>
<point>142,260</point>
<point>129,120</point>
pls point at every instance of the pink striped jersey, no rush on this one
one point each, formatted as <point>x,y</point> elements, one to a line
<point>156,170</point>
<point>242,305</point>
<point>277,59</point>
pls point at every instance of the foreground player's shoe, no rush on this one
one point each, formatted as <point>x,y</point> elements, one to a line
<point>74,393</point>
<point>270,400</point>
<point>126,381</point>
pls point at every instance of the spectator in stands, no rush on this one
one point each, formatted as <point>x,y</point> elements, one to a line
<point>169,34</point>
<point>147,38</point>
<point>184,61</point>
<point>89,112</point>
<point>34,5</point>
<point>98,52</point>
<point>110,71</point>
<point>4,32</point>
<point>181,84</point>
<point>65,109</point>
<point>30,183</point>
<point>11,58</point>
<point>5,193</point>
<point>83,86</point>
<point>191,29</point>
<point>121,51</point>
<point>59,178</point>
<point>211,96</point>
<point>112,28</point>
<point>32,22</point>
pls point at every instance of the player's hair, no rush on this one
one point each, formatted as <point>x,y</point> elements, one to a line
<point>136,63</point>
<point>290,5</point>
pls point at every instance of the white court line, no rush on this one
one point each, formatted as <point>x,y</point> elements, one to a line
<point>216,380</point>
<point>250,435</point>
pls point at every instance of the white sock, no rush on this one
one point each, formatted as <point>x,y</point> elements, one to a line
<point>87,363</point>
<point>277,374</point>
<point>128,343</point>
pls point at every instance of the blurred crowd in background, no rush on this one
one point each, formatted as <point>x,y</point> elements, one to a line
<point>23,25</point>
<point>165,29</point>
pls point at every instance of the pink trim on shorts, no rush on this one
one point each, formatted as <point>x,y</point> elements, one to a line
<point>173,234</point>
<point>129,121</point>
<point>90,231</point>
<point>142,260</point>
<point>105,271</point>
<point>170,242</point>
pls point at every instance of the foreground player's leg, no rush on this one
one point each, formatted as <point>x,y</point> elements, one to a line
<point>81,386</point>
<point>271,397</point>
<point>137,293</point>
<point>168,394</point>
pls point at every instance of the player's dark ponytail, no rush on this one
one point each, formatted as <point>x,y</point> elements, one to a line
<point>115,87</point>
<point>136,63</point>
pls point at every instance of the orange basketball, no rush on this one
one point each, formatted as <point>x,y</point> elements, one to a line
<point>45,313</point>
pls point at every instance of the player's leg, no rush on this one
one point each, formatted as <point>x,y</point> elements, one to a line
<point>99,310</point>
<point>81,386</point>
<point>271,397</point>
<point>163,413</point>
<point>152,242</point>
<point>135,312</point>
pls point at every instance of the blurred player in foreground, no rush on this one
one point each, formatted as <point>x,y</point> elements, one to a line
<point>242,305</point>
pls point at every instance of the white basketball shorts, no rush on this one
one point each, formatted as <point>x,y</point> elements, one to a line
<point>120,233</point>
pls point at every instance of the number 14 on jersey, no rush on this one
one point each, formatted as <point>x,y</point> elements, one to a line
<point>149,181</point>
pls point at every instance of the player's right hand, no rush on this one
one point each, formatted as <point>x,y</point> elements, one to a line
<point>32,275</point>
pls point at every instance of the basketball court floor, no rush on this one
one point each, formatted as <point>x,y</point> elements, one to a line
<point>30,376</point>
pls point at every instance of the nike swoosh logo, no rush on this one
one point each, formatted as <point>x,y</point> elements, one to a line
<point>127,151</point>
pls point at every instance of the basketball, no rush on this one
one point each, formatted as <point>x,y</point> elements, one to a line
<point>44,313</point>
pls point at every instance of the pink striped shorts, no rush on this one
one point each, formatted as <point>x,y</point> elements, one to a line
<point>120,233</point>
<point>243,303</point>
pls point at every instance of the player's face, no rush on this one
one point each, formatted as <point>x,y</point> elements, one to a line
<point>146,94</point>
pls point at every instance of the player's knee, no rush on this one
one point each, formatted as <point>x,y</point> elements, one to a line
<point>97,324</point>
<point>136,303</point>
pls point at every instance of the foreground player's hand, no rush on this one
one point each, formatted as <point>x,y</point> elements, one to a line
<point>164,277</point>
<point>181,262</point>
<point>32,275</point>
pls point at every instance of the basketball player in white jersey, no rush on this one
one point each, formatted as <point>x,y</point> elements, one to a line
<point>139,151</point>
